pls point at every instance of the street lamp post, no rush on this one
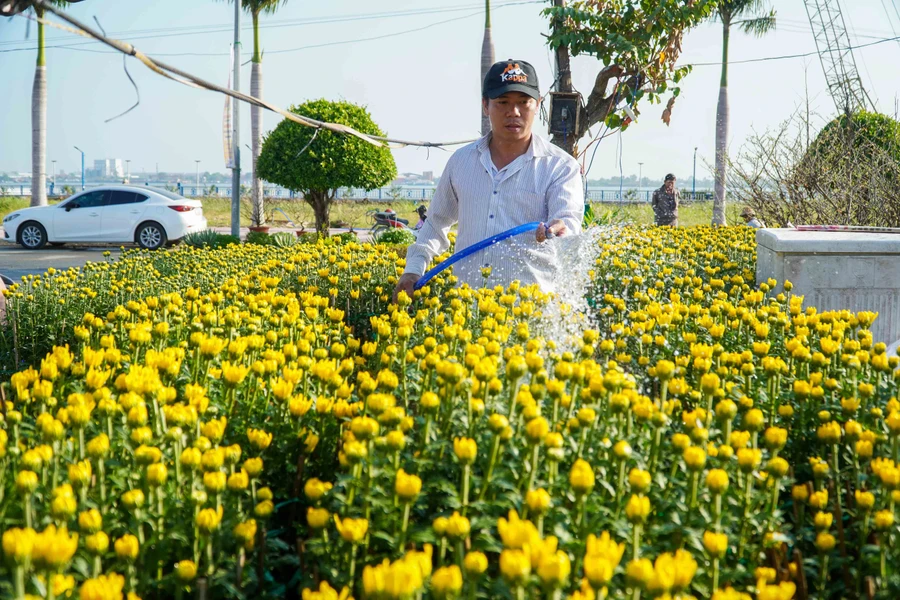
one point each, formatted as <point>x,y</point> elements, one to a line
<point>198,177</point>
<point>82,166</point>
<point>127,170</point>
<point>640,175</point>
<point>694,179</point>
<point>54,171</point>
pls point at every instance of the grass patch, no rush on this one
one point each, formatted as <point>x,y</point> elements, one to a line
<point>353,212</point>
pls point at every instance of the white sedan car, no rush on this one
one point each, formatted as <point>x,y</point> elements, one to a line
<point>149,217</point>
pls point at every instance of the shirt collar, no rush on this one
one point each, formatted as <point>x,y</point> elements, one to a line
<point>537,148</point>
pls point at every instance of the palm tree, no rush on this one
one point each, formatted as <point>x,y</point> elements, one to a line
<point>752,18</point>
<point>487,59</point>
<point>255,7</point>
<point>39,120</point>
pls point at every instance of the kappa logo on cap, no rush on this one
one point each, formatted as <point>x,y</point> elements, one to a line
<point>513,73</point>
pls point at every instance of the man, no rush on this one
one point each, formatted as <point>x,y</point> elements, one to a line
<point>750,218</point>
<point>665,203</point>
<point>507,178</point>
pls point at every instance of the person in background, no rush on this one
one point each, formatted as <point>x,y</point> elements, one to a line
<point>750,218</point>
<point>422,217</point>
<point>665,203</point>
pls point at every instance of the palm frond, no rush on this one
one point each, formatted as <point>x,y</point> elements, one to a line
<point>260,6</point>
<point>758,26</point>
<point>748,8</point>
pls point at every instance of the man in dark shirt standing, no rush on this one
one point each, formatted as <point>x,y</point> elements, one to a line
<point>665,203</point>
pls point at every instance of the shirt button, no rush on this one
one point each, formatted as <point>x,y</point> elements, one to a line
<point>495,192</point>
<point>492,216</point>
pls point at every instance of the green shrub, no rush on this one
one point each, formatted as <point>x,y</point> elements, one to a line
<point>283,239</point>
<point>259,238</point>
<point>345,238</point>
<point>209,239</point>
<point>396,236</point>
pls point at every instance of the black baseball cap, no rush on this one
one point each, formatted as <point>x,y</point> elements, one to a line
<point>511,76</point>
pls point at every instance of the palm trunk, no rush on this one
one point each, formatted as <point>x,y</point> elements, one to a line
<point>487,59</point>
<point>718,217</point>
<point>39,125</point>
<point>256,125</point>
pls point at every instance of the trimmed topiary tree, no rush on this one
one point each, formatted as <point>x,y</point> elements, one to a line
<point>317,163</point>
<point>862,134</point>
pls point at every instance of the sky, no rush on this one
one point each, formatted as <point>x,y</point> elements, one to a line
<point>420,79</point>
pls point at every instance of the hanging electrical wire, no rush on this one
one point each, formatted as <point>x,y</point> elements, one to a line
<point>186,78</point>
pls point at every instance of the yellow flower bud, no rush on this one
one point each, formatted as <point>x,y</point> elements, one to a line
<point>716,544</point>
<point>185,570</point>
<point>466,450</point>
<point>581,477</point>
<point>475,564</point>
<point>637,509</point>
<point>317,518</point>
<point>127,547</point>
<point>538,501</point>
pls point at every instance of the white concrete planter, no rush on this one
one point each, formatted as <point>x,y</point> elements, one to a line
<point>837,270</point>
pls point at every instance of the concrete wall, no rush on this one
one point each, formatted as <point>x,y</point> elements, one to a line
<point>836,271</point>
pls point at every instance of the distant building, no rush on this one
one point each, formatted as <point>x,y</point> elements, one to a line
<point>428,175</point>
<point>109,168</point>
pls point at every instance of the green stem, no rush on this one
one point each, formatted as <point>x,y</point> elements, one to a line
<point>495,450</point>
<point>694,477</point>
<point>715,584</point>
<point>210,567</point>
<point>464,488</point>
<point>28,514</point>
<point>636,541</point>
<point>534,466</point>
<point>20,582</point>
<point>405,525</point>
<point>823,576</point>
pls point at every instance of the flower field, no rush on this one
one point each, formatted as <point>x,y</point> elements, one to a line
<point>260,421</point>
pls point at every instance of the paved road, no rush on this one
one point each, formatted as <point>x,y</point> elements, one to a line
<point>15,261</point>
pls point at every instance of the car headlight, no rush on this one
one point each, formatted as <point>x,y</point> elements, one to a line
<point>10,218</point>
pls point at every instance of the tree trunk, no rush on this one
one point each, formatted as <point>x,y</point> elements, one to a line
<point>320,202</point>
<point>568,140</point>
<point>487,59</point>
<point>256,125</point>
<point>718,217</point>
<point>39,126</point>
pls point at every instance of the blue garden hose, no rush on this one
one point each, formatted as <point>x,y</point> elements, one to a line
<point>429,275</point>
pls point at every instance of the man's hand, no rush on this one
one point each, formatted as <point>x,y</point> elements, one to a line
<point>556,228</point>
<point>405,284</point>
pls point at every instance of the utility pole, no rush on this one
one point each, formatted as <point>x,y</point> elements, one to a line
<point>640,175</point>
<point>198,176</point>
<point>236,121</point>
<point>127,170</point>
<point>694,179</point>
<point>487,59</point>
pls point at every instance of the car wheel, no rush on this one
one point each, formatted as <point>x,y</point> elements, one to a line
<point>151,236</point>
<point>32,235</point>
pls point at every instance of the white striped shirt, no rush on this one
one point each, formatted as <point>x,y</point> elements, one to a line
<point>541,185</point>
